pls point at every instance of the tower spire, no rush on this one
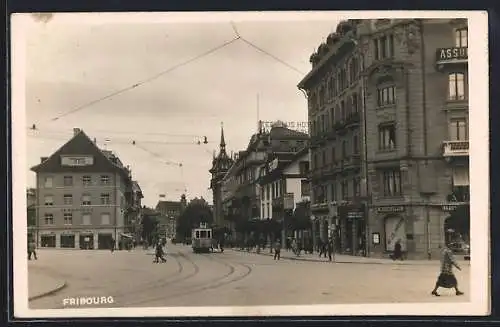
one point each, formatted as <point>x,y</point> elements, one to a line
<point>222,140</point>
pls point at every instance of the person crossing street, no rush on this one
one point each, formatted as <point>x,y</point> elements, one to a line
<point>446,278</point>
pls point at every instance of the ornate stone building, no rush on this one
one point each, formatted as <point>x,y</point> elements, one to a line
<point>220,166</point>
<point>413,127</point>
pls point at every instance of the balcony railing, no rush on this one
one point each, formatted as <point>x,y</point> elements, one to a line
<point>455,148</point>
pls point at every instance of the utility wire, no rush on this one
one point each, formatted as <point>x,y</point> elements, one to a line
<point>111,132</point>
<point>271,55</point>
<point>88,104</point>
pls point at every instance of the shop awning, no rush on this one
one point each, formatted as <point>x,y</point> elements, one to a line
<point>126,235</point>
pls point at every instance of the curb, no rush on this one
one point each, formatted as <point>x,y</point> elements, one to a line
<point>350,262</point>
<point>47,293</point>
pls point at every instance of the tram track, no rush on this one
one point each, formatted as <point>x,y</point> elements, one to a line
<point>207,285</point>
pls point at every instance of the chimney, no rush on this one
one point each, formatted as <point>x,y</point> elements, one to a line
<point>42,159</point>
<point>76,131</point>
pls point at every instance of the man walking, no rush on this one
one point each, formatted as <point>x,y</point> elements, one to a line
<point>277,250</point>
<point>447,278</point>
<point>331,250</point>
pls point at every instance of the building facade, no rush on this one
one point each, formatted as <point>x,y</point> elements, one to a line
<point>220,166</point>
<point>171,212</point>
<point>81,196</point>
<point>335,99</point>
<point>241,190</point>
<point>283,182</point>
<point>413,79</point>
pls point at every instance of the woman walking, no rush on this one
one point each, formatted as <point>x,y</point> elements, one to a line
<point>447,278</point>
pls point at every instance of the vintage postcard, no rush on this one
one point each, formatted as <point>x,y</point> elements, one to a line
<point>250,164</point>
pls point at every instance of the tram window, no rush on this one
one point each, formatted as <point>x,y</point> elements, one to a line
<point>197,234</point>
<point>203,234</point>
<point>208,234</point>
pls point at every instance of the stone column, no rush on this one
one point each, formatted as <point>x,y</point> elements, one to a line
<point>77,241</point>
<point>58,240</point>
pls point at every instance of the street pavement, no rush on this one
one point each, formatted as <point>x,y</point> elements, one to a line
<point>233,278</point>
<point>41,284</point>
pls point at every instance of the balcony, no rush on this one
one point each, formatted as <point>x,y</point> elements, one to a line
<point>452,56</point>
<point>455,148</point>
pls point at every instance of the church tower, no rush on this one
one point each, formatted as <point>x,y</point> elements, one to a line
<point>220,166</point>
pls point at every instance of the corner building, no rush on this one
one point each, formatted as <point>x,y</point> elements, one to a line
<point>414,123</point>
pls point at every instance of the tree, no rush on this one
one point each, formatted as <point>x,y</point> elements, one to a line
<point>197,211</point>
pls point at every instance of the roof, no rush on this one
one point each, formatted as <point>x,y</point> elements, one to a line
<point>284,133</point>
<point>149,212</point>
<point>168,205</point>
<point>81,144</point>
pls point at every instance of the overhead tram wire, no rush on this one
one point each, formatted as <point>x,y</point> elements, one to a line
<point>150,79</point>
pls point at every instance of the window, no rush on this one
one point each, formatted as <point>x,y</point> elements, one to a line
<point>86,200</point>
<point>386,96</point>
<point>68,218</point>
<point>458,130</point>
<point>342,110</point>
<point>324,157</point>
<point>392,182</point>
<point>333,191</point>
<point>268,211</point>
<point>354,98</point>
<point>461,38</point>
<point>344,189</point>
<point>356,184</point>
<point>384,47</point>
<point>68,199</point>
<point>344,149</point>
<point>49,200</point>
<point>334,156</point>
<point>105,219</point>
<point>387,137</point>
<point>105,198</point>
<point>332,117</point>
<point>49,219</point>
<point>355,144</point>
<point>268,191</point>
<point>86,219</point>
<point>273,188</point>
<point>456,82</point>
<point>304,167</point>
<point>48,181</point>
<point>315,161</point>
<point>105,179</point>
<point>304,188</point>
<point>68,180</point>
<point>86,180</point>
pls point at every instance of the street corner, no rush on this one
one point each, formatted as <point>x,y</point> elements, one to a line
<point>41,284</point>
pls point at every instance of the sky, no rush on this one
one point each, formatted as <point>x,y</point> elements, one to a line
<point>72,61</point>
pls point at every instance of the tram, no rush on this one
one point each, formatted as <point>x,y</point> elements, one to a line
<point>201,239</point>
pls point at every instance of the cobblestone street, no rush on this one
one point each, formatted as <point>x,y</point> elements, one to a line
<point>232,278</point>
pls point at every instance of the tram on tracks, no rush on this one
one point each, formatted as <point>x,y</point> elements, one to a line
<point>202,239</point>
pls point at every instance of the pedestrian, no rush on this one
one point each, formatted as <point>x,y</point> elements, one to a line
<point>322,248</point>
<point>277,250</point>
<point>112,245</point>
<point>331,250</point>
<point>447,278</point>
<point>398,252</point>
<point>32,250</point>
<point>159,254</point>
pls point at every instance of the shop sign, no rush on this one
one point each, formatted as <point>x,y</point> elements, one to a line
<point>77,209</point>
<point>87,232</point>
<point>390,209</point>
<point>450,207</point>
<point>355,215</point>
<point>376,238</point>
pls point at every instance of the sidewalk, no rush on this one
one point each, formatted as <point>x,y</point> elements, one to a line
<point>40,284</point>
<point>342,258</point>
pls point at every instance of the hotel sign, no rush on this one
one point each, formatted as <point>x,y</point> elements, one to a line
<point>451,54</point>
<point>390,209</point>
